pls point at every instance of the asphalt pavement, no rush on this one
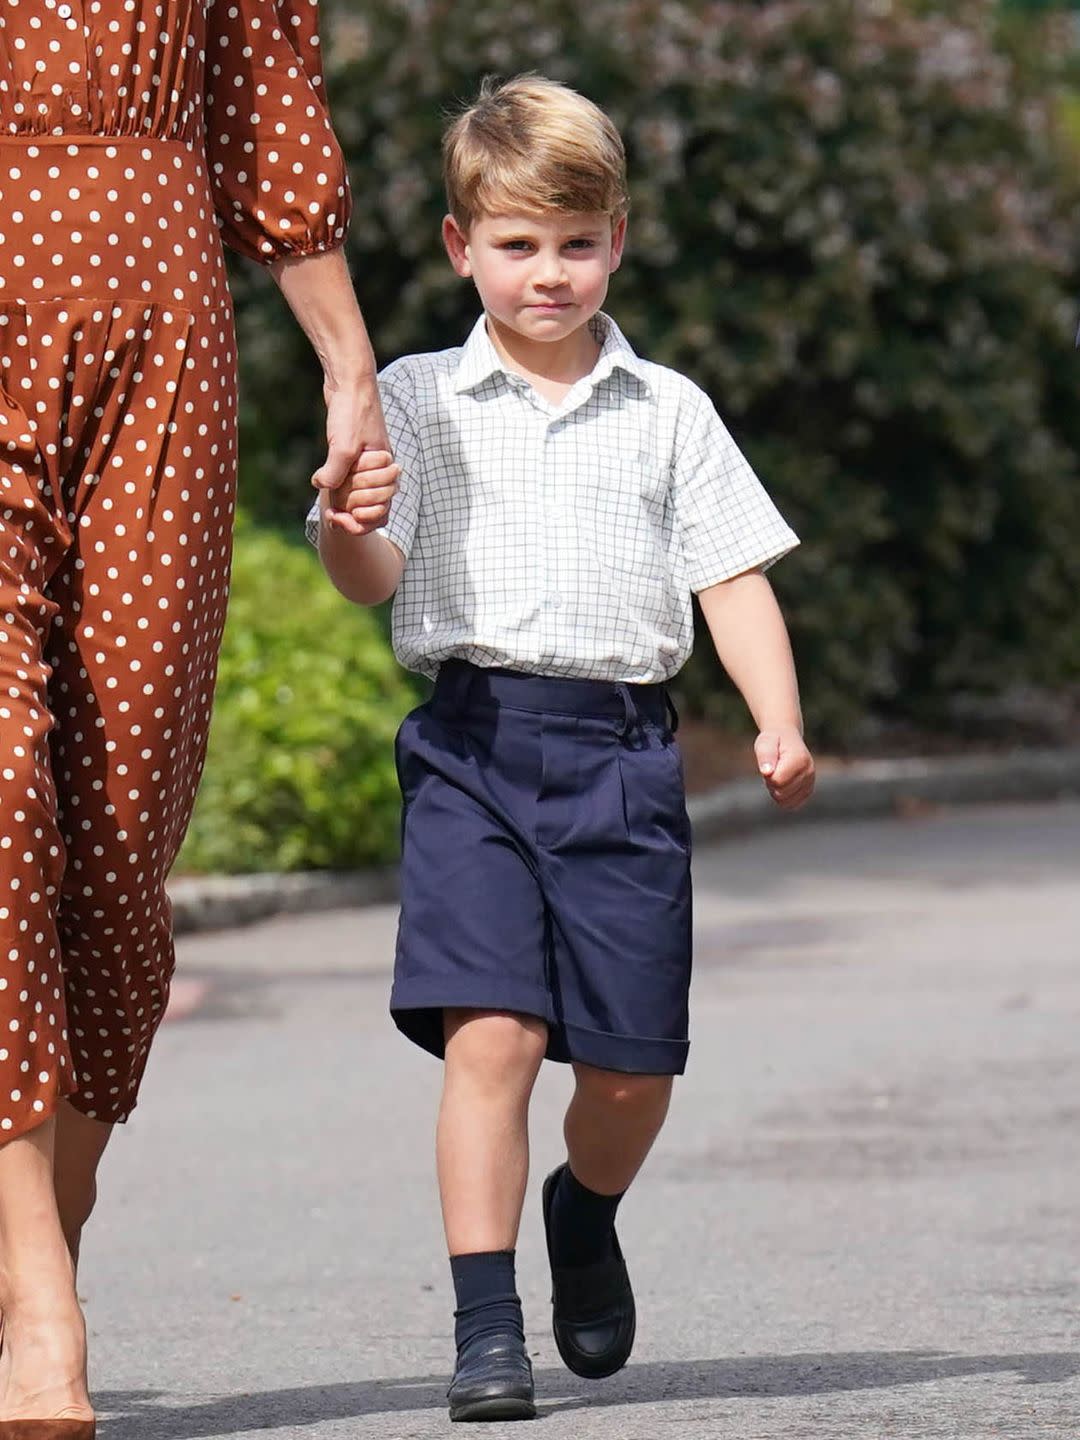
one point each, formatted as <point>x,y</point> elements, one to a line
<point>862,1220</point>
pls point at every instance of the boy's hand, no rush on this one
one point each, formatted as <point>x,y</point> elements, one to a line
<point>362,503</point>
<point>786,766</point>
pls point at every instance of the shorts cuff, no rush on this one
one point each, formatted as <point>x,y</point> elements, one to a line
<point>417,1005</point>
<point>629,1054</point>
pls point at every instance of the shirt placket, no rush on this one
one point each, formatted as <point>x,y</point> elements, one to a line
<point>550,599</point>
<point>71,87</point>
<point>559,487</point>
<point>553,643</point>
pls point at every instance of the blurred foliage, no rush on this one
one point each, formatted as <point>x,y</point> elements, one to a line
<point>1038,7</point>
<point>1037,29</point>
<point>300,771</point>
<point>854,223</point>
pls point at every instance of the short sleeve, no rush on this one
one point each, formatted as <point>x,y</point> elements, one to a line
<point>726,520</point>
<point>279,177</point>
<point>397,395</point>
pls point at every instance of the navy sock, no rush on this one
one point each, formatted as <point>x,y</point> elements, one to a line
<point>582,1223</point>
<point>486,1293</point>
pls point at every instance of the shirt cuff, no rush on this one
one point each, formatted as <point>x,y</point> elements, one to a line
<point>764,561</point>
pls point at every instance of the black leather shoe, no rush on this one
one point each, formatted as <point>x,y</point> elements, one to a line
<point>593,1314</point>
<point>493,1380</point>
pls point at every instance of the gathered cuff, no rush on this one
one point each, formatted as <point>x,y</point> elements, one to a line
<point>269,254</point>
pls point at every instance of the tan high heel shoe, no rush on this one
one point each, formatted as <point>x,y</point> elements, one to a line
<point>48,1430</point>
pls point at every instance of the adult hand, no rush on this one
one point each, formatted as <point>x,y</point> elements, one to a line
<point>359,471</point>
<point>354,423</point>
<point>786,766</point>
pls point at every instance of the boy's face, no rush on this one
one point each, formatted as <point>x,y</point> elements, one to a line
<point>543,276</point>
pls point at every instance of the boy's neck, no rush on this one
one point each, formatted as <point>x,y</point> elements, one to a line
<point>553,367</point>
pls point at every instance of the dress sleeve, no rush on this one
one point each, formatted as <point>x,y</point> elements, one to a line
<point>279,178</point>
<point>727,522</point>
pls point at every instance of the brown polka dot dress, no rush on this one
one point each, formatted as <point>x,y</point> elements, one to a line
<point>133,133</point>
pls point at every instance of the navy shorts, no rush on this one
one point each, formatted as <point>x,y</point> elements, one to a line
<point>546,865</point>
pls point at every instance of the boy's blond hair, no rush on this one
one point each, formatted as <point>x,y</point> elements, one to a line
<point>533,145</point>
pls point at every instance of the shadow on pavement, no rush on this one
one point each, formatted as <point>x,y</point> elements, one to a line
<point>138,1415</point>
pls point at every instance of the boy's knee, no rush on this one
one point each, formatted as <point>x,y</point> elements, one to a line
<point>624,1092</point>
<point>500,1046</point>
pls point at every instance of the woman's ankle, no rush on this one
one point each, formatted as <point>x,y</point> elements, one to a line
<point>43,1367</point>
<point>40,1293</point>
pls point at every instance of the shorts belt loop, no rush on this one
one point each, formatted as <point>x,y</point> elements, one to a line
<point>673,714</point>
<point>630,718</point>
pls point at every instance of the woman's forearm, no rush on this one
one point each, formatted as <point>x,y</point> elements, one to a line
<point>752,644</point>
<point>319,291</point>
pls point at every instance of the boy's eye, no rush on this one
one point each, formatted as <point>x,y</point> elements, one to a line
<point>521,246</point>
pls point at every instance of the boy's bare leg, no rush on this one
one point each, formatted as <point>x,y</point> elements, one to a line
<point>482,1142</point>
<point>43,1363</point>
<point>80,1144</point>
<point>611,1124</point>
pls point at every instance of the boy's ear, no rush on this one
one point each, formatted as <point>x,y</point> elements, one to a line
<point>618,244</point>
<point>457,246</point>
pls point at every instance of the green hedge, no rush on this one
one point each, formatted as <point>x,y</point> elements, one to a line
<point>300,771</point>
<point>855,224</point>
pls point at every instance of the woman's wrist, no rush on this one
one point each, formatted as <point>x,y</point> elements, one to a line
<point>319,290</point>
<point>353,372</point>
<point>347,357</point>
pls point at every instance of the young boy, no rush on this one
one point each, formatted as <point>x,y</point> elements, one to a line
<point>560,500</point>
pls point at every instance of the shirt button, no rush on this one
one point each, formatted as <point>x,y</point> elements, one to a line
<point>552,602</point>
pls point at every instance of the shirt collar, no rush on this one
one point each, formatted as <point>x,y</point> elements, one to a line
<point>479,359</point>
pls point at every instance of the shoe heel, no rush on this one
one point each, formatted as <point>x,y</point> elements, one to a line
<point>48,1430</point>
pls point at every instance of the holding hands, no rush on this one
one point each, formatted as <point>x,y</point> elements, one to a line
<point>361,503</point>
<point>359,474</point>
<point>357,484</point>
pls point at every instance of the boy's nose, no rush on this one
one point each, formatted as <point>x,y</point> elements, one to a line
<point>551,274</point>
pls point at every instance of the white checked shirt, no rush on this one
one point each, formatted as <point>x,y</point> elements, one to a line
<point>562,539</point>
